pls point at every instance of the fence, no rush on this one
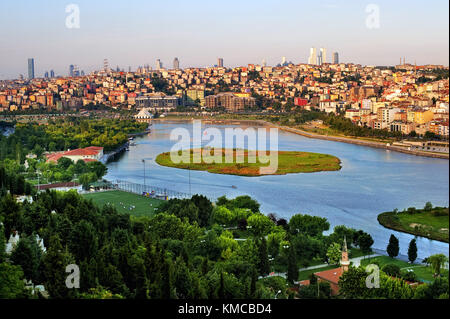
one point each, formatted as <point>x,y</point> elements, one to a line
<point>153,191</point>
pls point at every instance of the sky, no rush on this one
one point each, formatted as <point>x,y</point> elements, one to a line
<point>137,32</point>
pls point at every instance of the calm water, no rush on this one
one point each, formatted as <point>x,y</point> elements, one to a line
<point>371,181</point>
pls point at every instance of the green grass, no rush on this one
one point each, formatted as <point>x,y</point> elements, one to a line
<point>288,162</point>
<point>356,252</point>
<point>423,273</point>
<point>123,201</point>
<point>432,224</point>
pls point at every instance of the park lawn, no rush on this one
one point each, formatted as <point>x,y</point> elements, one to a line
<point>433,224</point>
<point>356,252</point>
<point>123,202</point>
<point>288,162</point>
<point>423,273</point>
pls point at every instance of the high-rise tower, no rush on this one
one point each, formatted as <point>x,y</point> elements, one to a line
<point>312,56</point>
<point>30,68</point>
<point>176,63</point>
<point>335,58</point>
<point>323,54</point>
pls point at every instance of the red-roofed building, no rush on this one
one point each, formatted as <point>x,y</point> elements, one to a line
<point>88,154</point>
<point>332,276</point>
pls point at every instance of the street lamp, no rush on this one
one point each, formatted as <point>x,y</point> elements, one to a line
<point>143,162</point>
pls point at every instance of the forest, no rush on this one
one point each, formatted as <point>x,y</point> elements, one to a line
<point>185,251</point>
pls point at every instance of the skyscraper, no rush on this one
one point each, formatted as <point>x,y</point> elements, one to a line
<point>335,58</point>
<point>312,56</point>
<point>71,70</point>
<point>320,58</point>
<point>30,68</point>
<point>52,73</point>
<point>176,63</point>
<point>323,54</point>
<point>220,63</point>
<point>46,74</point>
<point>159,64</point>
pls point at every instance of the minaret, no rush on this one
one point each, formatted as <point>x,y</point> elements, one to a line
<point>344,259</point>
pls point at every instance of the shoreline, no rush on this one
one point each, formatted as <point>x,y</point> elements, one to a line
<point>383,222</point>
<point>347,140</point>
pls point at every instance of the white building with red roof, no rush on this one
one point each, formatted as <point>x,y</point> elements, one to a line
<point>88,154</point>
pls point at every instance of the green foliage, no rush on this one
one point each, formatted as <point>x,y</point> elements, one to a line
<point>292,274</point>
<point>2,243</point>
<point>260,225</point>
<point>436,262</point>
<point>352,283</point>
<point>393,247</point>
<point>310,225</point>
<point>263,264</point>
<point>27,254</point>
<point>412,250</point>
<point>392,270</point>
<point>334,254</point>
<point>12,284</point>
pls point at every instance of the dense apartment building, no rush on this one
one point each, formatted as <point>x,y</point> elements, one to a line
<point>230,101</point>
<point>356,90</point>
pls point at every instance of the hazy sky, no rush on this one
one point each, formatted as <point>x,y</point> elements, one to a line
<point>134,32</point>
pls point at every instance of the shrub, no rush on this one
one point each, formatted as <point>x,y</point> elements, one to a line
<point>409,276</point>
<point>392,270</point>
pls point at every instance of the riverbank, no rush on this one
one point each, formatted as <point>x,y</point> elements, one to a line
<point>431,224</point>
<point>348,140</point>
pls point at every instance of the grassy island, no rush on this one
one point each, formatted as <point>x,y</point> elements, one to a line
<point>430,222</point>
<point>288,163</point>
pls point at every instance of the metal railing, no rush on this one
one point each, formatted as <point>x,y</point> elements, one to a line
<point>152,191</point>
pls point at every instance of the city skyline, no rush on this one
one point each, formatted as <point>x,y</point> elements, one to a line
<point>337,26</point>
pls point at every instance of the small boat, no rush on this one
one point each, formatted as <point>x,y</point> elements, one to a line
<point>233,186</point>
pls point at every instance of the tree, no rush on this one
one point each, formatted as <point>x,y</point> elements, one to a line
<point>263,264</point>
<point>412,250</point>
<point>2,244</point>
<point>334,254</point>
<point>83,242</point>
<point>352,283</point>
<point>365,242</point>
<point>436,262</point>
<point>222,215</point>
<point>64,162</point>
<point>260,224</point>
<point>310,225</point>
<point>28,257</point>
<point>205,209</point>
<point>12,285</point>
<point>428,206</point>
<point>292,273</point>
<point>392,270</point>
<point>393,247</point>
<point>54,263</point>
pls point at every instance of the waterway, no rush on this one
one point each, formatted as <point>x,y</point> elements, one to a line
<point>371,181</point>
